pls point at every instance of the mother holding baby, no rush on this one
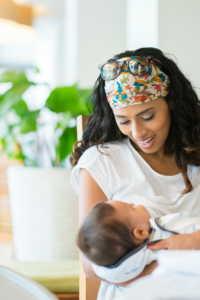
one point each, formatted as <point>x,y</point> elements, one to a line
<point>142,143</point>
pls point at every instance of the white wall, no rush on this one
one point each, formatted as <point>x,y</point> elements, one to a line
<point>141,24</point>
<point>49,50</point>
<point>179,34</point>
<point>170,25</point>
<point>71,42</point>
<point>77,35</point>
<point>101,34</point>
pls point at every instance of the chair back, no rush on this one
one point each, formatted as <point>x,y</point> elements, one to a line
<point>88,288</point>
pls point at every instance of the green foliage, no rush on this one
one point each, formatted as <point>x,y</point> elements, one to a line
<point>70,102</point>
<point>68,98</point>
<point>63,99</point>
<point>13,96</point>
<point>11,102</point>
<point>29,121</point>
<point>66,102</point>
<point>20,108</point>
<point>66,141</point>
<point>17,78</point>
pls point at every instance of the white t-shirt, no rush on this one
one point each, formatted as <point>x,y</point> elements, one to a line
<point>124,175</point>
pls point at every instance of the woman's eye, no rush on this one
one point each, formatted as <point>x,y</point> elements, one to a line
<point>144,119</point>
<point>123,123</point>
<point>150,118</point>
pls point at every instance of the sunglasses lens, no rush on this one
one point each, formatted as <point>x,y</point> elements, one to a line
<point>138,66</point>
<point>110,70</point>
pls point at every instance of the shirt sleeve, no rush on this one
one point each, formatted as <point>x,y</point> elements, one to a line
<point>96,169</point>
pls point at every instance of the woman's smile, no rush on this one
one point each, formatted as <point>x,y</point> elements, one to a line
<point>148,143</point>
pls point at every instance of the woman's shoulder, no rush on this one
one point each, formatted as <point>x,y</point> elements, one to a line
<point>103,163</point>
<point>106,151</point>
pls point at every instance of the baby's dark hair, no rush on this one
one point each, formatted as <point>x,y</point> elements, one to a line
<point>103,238</point>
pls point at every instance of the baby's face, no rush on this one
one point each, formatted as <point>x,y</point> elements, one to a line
<point>135,215</point>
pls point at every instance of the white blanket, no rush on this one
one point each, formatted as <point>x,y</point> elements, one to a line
<point>176,278</point>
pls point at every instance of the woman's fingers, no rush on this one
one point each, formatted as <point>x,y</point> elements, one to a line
<point>179,242</point>
<point>159,246</point>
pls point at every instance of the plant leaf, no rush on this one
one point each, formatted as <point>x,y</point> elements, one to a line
<point>85,102</point>
<point>66,141</point>
<point>20,108</point>
<point>11,97</point>
<point>63,99</point>
<point>29,122</point>
<point>16,77</point>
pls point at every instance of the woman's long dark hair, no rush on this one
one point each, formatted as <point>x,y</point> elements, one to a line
<point>184,135</point>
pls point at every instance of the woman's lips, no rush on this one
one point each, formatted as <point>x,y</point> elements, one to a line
<point>147,145</point>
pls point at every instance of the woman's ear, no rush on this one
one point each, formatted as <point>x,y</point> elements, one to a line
<point>140,234</point>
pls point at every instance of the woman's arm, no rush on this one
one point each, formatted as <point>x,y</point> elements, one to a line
<point>89,194</point>
<point>189,241</point>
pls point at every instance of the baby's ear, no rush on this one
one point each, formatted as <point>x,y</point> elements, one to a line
<point>139,233</point>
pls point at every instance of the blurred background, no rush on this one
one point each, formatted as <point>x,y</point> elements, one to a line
<point>48,44</point>
<point>49,53</point>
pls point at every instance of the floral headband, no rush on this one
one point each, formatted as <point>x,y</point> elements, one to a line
<point>128,89</point>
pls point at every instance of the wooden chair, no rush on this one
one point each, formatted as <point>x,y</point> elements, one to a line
<point>88,288</point>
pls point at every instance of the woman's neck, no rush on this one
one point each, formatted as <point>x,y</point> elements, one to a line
<point>161,162</point>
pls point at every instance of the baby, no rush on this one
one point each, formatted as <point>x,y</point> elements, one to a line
<point>113,229</point>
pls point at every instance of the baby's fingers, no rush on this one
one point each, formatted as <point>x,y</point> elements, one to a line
<point>159,246</point>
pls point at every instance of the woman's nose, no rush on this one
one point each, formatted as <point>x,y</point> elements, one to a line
<point>138,131</point>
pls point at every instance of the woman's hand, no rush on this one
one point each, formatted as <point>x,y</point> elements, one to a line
<point>179,242</point>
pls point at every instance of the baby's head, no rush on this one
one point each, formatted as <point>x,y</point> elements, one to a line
<point>111,230</point>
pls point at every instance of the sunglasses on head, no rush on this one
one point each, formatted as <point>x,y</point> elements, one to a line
<point>136,65</point>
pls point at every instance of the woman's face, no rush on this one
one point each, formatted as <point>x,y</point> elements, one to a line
<point>146,124</point>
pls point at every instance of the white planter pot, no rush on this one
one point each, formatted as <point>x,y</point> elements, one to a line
<point>44,211</point>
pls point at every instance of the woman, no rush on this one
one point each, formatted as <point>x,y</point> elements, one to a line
<point>147,120</point>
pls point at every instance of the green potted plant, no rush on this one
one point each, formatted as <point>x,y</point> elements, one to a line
<point>17,120</point>
<point>41,198</point>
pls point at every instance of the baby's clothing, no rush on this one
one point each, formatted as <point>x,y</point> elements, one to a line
<point>131,265</point>
<point>174,223</point>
